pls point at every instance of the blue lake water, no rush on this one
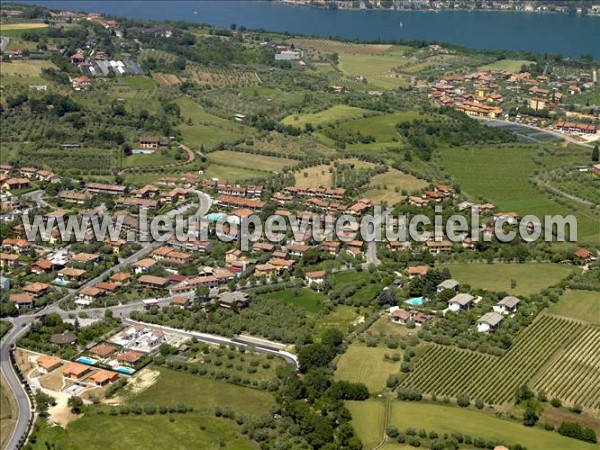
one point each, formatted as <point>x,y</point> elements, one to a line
<point>570,35</point>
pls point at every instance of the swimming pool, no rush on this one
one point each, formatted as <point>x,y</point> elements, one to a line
<point>85,360</point>
<point>213,217</point>
<point>125,370</point>
<point>417,301</point>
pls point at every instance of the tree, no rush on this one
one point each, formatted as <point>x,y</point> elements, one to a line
<point>595,154</point>
<point>524,393</point>
<point>315,355</point>
<point>530,417</point>
<point>388,297</point>
<point>75,403</point>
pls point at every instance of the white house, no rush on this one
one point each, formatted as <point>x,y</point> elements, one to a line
<point>460,302</point>
<point>489,322</point>
<point>508,305</point>
<point>317,277</point>
<point>448,284</point>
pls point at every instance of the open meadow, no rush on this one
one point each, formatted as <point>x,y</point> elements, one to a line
<point>368,365</point>
<point>387,187</point>
<point>250,161</point>
<point>176,431</point>
<point>378,70</point>
<point>501,174</point>
<point>509,65</point>
<point>580,305</point>
<point>530,278</point>
<point>329,115</point>
<point>312,302</point>
<point>315,176</point>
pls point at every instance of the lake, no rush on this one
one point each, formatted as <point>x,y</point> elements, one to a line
<point>570,35</point>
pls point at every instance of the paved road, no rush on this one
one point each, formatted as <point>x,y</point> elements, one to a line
<point>36,196</point>
<point>21,324</point>
<point>372,258</point>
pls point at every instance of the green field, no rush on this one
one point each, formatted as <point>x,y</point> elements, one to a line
<point>377,69</point>
<point>177,431</point>
<point>360,364</point>
<point>510,65</point>
<point>446,419</point>
<point>250,161</point>
<point>304,298</point>
<point>333,114</point>
<point>4,327</point>
<point>203,394</point>
<point>385,185</point>
<point>342,318</point>
<point>530,277</point>
<point>233,174</point>
<point>368,420</point>
<point>501,174</point>
<point>158,158</point>
<point>580,305</point>
<point>28,70</point>
<point>206,130</point>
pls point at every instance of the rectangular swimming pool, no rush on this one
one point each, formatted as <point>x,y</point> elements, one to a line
<point>85,360</point>
<point>125,370</point>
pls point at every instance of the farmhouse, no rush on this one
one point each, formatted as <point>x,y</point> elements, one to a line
<point>489,322</point>
<point>508,305</point>
<point>75,371</point>
<point>103,377</point>
<point>149,142</point>
<point>460,302</point>
<point>584,255</point>
<point>47,364</point>
<point>16,245</point>
<point>316,277</point>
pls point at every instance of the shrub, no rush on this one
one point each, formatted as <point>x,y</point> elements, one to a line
<point>556,402</point>
<point>463,401</point>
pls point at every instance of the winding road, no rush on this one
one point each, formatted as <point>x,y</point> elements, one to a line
<point>21,323</point>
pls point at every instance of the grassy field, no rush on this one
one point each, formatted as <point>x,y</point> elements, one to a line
<point>250,161</point>
<point>304,298</point>
<point>377,69</point>
<point>360,364</point>
<point>158,158</point>
<point>385,185</point>
<point>7,411</point>
<point>21,26</point>
<point>203,394</point>
<point>24,69</point>
<point>342,318</point>
<point>446,419</point>
<point>368,420</point>
<point>232,173</point>
<point>181,431</point>
<point>501,174</point>
<point>205,130</point>
<point>510,65</point>
<point>316,176</point>
<point>580,305</point>
<point>333,114</point>
<point>530,278</point>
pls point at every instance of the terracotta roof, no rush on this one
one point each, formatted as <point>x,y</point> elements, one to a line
<point>75,369</point>
<point>47,362</point>
<point>102,376</point>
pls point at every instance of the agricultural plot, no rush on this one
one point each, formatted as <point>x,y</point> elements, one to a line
<point>327,46</point>
<point>510,65</point>
<point>511,168</point>
<point>580,305</point>
<point>250,161</point>
<point>334,114</point>
<point>574,376</point>
<point>165,79</point>
<point>312,302</point>
<point>287,145</point>
<point>316,176</point>
<point>529,278</point>
<point>231,173</point>
<point>450,371</point>
<point>387,187</point>
<point>205,129</point>
<point>24,69</point>
<point>368,365</point>
<point>379,70</point>
<point>224,77</point>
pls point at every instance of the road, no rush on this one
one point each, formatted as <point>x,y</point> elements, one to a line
<point>372,259</point>
<point>36,196</point>
<point>21,324</point>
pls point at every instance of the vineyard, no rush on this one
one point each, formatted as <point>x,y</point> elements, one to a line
<point>224,77</point>
<point>165,79</point>
<point>327,46</point>
<point>452,372</point>
<point>574,376</point>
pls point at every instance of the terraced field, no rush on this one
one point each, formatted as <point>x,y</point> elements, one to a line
<point>452,372</point>
<point>574,376</point>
